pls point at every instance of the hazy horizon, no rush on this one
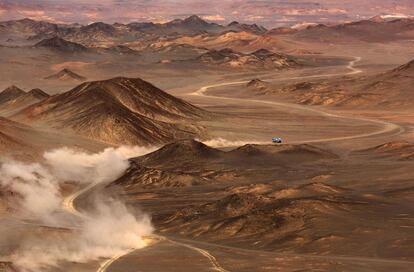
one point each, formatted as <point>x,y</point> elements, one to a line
<point>267,13</point>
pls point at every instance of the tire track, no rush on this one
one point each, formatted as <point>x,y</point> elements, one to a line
<point>68,205</point>
<point>216,265</point>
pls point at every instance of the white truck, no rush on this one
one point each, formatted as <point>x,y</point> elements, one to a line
<point>277,140</point>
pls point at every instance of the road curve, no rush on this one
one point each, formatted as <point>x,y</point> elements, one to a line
<point>68,202</point>
<point>106,264</point>
<point>312,256</point>
<point>213,261</point>
<point>386,127</point>
<point>69,206</point>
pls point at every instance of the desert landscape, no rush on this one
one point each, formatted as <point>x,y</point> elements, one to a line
<point>151,140</point>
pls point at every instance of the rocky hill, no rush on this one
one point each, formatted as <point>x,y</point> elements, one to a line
<point>14,99</point>
<point>61,45</point>
<point>260,59</point>
<point>200,164</point>
<point>10,93</point>
<point>294,217</point>
<point>117,111</point>
<point>253,28</point>
<point>65,75</point>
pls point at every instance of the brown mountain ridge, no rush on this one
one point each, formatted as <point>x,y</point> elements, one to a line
<point>13,99</point>
<point>117,111</point>
<point>260,59</point>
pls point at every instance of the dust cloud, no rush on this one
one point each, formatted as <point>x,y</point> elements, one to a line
<point>221,142</point>
<point>108,228</point>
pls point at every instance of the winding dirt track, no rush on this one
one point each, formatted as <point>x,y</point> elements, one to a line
<point>386,127</point>
<point>68,202</point>
<point>69,206</point>
<point>215,264</point>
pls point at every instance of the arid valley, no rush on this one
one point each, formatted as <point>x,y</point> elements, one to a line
<point>192,145</point>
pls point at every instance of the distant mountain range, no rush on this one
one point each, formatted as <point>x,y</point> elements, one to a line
<point>37,30</point>
<point>376,29</point>
<point>99,34</point>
